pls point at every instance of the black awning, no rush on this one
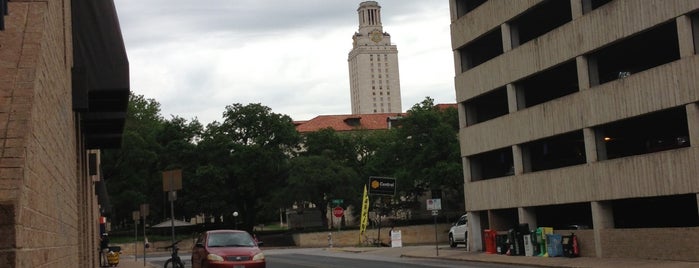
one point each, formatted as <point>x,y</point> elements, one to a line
<point>100,73</point>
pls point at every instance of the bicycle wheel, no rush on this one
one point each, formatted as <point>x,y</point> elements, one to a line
<point>170,263</point>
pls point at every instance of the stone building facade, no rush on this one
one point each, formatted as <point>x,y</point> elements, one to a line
<point>581,114</point>
<point>63,96</point>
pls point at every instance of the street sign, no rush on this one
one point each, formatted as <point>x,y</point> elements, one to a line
<point>338,212</point>
<point>337,201</point>
<point>434,204</point>
<point>382,186</point>
<point>172,180</point>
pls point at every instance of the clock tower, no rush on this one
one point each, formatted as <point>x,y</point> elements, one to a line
<point>373,65</point>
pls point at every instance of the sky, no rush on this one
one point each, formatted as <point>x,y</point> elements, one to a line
<point>197,57</point>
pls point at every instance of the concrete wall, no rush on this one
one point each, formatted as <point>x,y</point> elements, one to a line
<point>411,235</point>
<point>47,204</point>
<point>671,85</point>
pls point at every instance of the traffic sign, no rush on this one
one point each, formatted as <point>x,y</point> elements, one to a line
<point>338,212</point>
<point>434,204</point>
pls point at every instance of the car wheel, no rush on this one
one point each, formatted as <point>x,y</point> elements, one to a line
<point>451,241</point>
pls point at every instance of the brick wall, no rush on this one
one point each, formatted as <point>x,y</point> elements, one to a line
<point>44,197</point>
<point>651,243</point>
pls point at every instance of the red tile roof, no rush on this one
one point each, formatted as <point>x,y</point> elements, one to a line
<point>444,106</point>
<point>347,122</point>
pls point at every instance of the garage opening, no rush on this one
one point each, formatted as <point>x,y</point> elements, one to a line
<point>481,50</point>
<point>539,20</point>
<point>465,6</point>
<point>486,107</point>
<point>548,85</point>
<point>656,212</point>
<point>554,152</point>
<point>565,217</point>
<point>492,164</point>
<point>635,54</point>
<point>654,132</point>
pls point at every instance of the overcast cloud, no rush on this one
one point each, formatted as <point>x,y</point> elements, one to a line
<point>197,57</point>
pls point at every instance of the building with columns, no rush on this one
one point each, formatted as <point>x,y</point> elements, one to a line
<point>581,115</point>
<point>373,65</point>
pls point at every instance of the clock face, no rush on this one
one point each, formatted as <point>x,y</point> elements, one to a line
<point>376,36</point>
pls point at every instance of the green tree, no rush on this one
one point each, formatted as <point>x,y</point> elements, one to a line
<point>423,153</point>
<point>178,139</point>
<point>260,144</point>
<point>211,185</point>
<point>318,180</point>
<point>129,171</point>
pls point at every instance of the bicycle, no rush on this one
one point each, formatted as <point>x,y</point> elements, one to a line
<point>174,261</point>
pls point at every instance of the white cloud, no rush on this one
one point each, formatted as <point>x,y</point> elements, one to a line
<point>195,59</point>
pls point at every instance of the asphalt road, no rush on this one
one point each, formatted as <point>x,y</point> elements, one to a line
<point>315,258</point>
<point>322,258</point>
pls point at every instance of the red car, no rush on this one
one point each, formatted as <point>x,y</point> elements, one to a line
<point>227,249</point>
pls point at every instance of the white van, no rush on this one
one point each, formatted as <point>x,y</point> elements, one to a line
<point>458,233</point>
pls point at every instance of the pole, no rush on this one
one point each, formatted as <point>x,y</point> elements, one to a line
<point>436,243</point>
<point>144,240</point>
<point>135,241</point>
<point>173,196</point>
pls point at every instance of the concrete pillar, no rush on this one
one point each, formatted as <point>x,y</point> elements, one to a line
<point>693,123</point>
<point>528,216</point>
<point>515,98</point>
<point>590,145</point>
<point>576,7</point>
<point>470,114</point>
<point>475,232</point>
<point>583,73</point>
<point>602,218</point>
<point>473,172</point>
<point>686,38</point>
<point>518,160</point>
<point>461,108</point>
<point>508,38</point>
<point>592,72</point>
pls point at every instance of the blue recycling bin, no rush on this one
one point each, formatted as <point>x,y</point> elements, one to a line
<point>554,245</point>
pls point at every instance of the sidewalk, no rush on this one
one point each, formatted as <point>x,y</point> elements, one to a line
<point>127,261</point>
<point>460,254</point>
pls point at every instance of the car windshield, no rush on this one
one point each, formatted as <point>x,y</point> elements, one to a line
<point>233,239</point>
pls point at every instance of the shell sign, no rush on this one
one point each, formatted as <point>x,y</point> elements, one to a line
<point>382,186</point>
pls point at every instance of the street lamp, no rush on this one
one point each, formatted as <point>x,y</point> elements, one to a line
<point>235,219</point>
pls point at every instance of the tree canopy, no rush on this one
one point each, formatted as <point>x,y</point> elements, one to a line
<point>255,162</point>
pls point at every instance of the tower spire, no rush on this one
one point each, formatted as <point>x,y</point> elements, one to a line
<point>373,65</point>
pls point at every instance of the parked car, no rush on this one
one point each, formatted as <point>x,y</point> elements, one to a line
<point>227,249</point>
<point>458,233</point>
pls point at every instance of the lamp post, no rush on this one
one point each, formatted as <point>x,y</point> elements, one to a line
<point>235,219</point>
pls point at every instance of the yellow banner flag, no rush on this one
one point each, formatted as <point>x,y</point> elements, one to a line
<point>364,221</point>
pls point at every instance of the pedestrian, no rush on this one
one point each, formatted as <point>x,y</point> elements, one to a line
<point>104,249</point>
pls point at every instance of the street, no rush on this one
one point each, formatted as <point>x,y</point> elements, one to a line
<point>297,258</point>
<point>324,257</point>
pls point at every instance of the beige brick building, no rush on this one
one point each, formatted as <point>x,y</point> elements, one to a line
<point>581,112</point>
<point>373,65</point>
<point>63,95</point>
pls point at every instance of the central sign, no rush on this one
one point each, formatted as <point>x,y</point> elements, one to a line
<point>338,212</point>
<point>382,186</point>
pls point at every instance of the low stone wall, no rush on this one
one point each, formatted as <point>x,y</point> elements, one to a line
<point>410,235</point>
<point>128,248</point>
